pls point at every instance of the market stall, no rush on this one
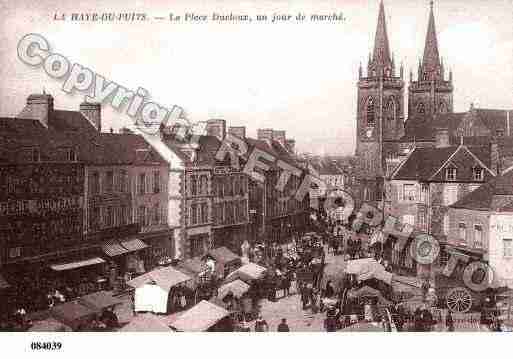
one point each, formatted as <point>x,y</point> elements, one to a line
<point>225,261</point>
<point>159,291</point>
<point>74,314</point>
<point>146,322</point>
<point>204,316</point>
<point>248,273</point>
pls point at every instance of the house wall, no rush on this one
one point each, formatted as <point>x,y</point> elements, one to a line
<point>501,227</point>
<point>469,218</point>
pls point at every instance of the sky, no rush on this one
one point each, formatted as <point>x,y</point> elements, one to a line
<point>298,77</point>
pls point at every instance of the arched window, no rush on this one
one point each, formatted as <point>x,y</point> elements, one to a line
<point>442,108</point>
<point>421,108</point>
<point>370,112</point>
<point>390,109</point>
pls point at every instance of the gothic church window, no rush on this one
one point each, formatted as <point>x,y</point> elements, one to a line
<point>420,108</point>
<point>390,109</point>
<point>370,112</point>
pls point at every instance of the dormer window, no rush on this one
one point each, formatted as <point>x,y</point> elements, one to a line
<point>36,155</point>
<point>450,174</point>
<point>477,174</point>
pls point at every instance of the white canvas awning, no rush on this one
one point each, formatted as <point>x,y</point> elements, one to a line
<point>250,271</point>
<point>166,278</point>
<point>200,318</point>
<point>238,288</point>
<point>77,264</point>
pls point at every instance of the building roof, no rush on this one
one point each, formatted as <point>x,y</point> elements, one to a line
<point>92,148</point>
<point>496,195</point>
<point>424,128</point>
<point>424,164</point>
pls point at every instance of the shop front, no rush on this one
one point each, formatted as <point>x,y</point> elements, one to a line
<point>161,247</point>
<point>127,257</point>
<point>230,237</point>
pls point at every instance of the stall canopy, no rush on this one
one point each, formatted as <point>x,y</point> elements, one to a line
<point>200,318</point>
<point>224,256</point>
<point>166,278</point>
<point>3,283</point>
<point>73,313</point>
<point>134,244</point>
<point>247,272</point>
<point>367,291</point>
<point>146,322</point>
<point>99,300</point>
<point>368,268</point>
<point>114,248</point>
<point>238,288</point>
<point>77,264</point>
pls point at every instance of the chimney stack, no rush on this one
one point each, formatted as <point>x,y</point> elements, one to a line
<point>265,134</point>
<point>290,144</point>
<point>494,156</point>
<point>442,138</point>
<point>279,136</point>
<point>217,128</point>
<point>39,107</point>
<point>238,131</point>
<point>93,112</point>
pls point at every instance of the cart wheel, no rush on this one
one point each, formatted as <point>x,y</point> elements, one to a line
<point>459,300</point>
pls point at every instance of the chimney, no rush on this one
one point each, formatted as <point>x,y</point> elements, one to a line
<point>290,144</point>
<point>238,131</point>
<point>442,138</point>
<point>93,112</point>
<point>494,156</point>
<point>217,128</point>
<point>279,136</point>
<point>39,107</point>
<point>265,134</point>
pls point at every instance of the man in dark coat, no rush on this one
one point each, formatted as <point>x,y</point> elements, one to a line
<point>283,326</point>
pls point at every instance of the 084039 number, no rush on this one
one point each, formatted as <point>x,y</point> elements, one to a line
<point>46,345</point>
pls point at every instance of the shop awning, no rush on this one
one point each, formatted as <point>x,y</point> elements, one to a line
<point>3,283</point>
<point>247,272</point>
<point>77,264</point>
<point>134,244</point>
<point>114,248</point>
<point>200,318</point>
<point>238,288</point>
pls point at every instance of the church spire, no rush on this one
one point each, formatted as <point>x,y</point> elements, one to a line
<point>381,53</point>
<point>431,59</point>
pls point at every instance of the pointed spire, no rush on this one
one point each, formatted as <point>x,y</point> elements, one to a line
<point>431,59</point>
<point>381,53</point>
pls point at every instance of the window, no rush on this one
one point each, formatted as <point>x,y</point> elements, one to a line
<point>420,108</point>
<point>197,246</point>
<point>450,174</point>
<point>370,113</point>
<point>108,217</point>
<point>409,192</point>
<point>109,182</point>
<point>124,215</point>
<point>499,133</point>
<point>194,214</point>
<point>156,182</point>
<point>95,183</point>
<point>422,219</point>
<point>477,173</point>
<point>462,232</point>
<point>508,247</point>
<point>366,194</point>
<point>478,236</point>
<point>142,183</point>
<point>14,252</point>
<point>122,182</point>
<point>94,219</point>
<point>442,108</point>
<point>409,219</point>
<point>71,155</point>
<point>141,216</point>
<point>473,187</point>
<point>424,190</point>
<point>194,186</point>
<point>204,213</point>
<point>204,184</point>
<point>156,214</point>
<point>450,194</point>
<point>36,155</point>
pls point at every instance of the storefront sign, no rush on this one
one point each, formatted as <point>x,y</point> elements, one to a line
<point>222,170</point>
<point>39,207</point>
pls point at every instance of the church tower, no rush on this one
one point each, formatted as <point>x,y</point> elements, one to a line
<point>380,103</point>
<point>431,93</point>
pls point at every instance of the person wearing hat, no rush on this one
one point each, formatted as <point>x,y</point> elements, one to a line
<point>283,326</point>
<point>261,325</point>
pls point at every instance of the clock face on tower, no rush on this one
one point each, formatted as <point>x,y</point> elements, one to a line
<point>368,133</point>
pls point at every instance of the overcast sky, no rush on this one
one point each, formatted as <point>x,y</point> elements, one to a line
<point>297,77</point>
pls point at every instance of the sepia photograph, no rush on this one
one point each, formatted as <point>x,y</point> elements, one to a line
<point>255,166</point>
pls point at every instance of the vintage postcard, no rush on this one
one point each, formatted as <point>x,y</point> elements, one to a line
<point>256,166</point>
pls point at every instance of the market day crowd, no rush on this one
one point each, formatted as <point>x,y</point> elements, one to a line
<point>296,267</point>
